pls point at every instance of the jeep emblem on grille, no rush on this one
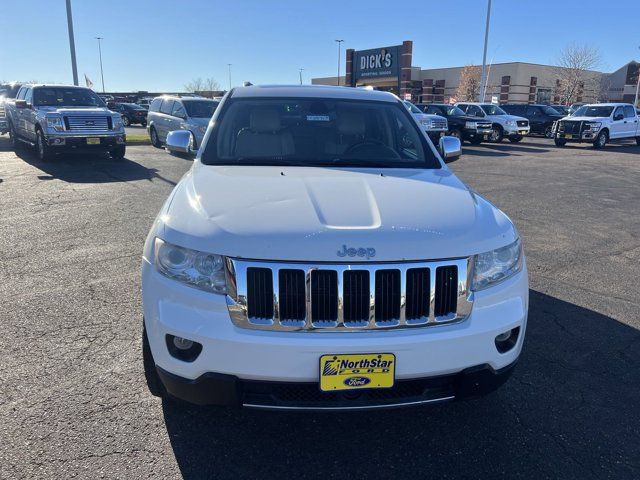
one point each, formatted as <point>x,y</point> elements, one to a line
<point>360,252</point>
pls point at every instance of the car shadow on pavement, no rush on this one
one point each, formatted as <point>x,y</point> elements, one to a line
<point>90,168</point>
<point>569,411</point>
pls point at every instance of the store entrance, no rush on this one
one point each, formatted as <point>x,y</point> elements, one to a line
<point>389,84</point>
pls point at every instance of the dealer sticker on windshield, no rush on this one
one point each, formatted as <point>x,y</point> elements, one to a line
<point>357,371</point>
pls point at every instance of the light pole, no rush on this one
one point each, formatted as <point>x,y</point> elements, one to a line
<point>72,43</point>
<point>229,65</point>
<point>635,101</point>
<point>100,54</point>
<point>301,75</point>
<point>339,42</point>
<point>483,78</point>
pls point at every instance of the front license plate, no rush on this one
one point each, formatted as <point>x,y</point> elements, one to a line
<point>522,132</point>
<point>357,371</point>
<point>93,141</point>
<point>485,137</point>
<point>568,136</point>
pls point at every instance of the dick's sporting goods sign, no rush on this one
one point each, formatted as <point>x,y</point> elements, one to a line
<point>378,62</point>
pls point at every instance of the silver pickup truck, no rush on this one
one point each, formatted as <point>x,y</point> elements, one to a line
<point>57,118</point>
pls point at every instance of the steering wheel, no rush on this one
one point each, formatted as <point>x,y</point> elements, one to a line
<point>372,148</point>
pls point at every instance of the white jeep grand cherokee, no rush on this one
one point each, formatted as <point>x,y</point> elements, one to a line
<point>320,255</point>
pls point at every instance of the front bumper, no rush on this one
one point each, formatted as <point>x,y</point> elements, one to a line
<point>588,136</point>
<point>171,308</point>
<point>219,389</point>
<point>81,142</point>
<point>516,131</point>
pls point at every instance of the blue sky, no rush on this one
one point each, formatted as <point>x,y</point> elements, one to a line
<point>162,44</point>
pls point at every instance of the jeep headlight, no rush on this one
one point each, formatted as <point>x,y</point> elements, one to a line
<point>594,126</point>
<point>204,271</point>
<point>497,265</point>
<point>470,125</point>
<point>511,123</point>
<point>55,123</point>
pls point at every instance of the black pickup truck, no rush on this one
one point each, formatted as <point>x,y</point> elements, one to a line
<point>541,117</point>
<point>461,125</point>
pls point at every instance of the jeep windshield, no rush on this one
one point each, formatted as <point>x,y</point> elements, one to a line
<point>317,132</point>
<point>593,111</point>
<point>65,97</point>
<point>200,108</point>
<point>493,110</point>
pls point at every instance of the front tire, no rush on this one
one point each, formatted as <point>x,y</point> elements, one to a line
<point>13,138</point>
<point>638,141</point>
<point>42,149</point>
<point>154,384</point>
<point>601,140</point>
<point>155,141</point>
<point>125,121</point>
<point>548,132</point>
<point>515,139</point>
<point>497,134</point>
<point>560,142</point>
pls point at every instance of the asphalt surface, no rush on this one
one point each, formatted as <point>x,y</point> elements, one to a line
<point>73,402</point>
<point>135,130</point>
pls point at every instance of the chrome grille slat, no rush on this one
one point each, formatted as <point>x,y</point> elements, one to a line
<point>341,299</point>
<point>88,123</point>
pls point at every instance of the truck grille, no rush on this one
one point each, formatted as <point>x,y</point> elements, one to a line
<point>484,126</point>
<point>522,123</point>
<point>439,125</point>
<point>569,126</point>
<point>347,297</point>
<point>86,123</point>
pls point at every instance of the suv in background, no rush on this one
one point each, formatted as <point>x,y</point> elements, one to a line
<point>435,125</point>
<point>58,118</point>
<point>8,92</point>
<point>169,113</point>
<point>502,124</point>
<point>541,117</point>
<point>562,109</point>
<point>461,126</point>
<point>598,124</point>
<point>131,113</point>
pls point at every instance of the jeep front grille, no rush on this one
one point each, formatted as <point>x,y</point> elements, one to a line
<point>347,297</point>
<point>87,123</point>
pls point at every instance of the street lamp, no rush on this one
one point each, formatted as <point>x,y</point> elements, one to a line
<point>72,43</point>
<point>339,42</point>
<point>100,53</point>
<point>229,65</point>
<point>300,72</point>
<point>483,79</point>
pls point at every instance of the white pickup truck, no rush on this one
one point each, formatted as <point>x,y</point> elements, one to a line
<point>503,125</point>
<point>320,255</point>
<point>599,124</point>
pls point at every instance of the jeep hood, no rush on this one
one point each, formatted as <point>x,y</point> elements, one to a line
<point>308,214</point>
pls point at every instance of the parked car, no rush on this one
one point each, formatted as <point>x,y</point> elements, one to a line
<point>561,109</point>
<point>8,92</point>
<point>319,250</point>
<point>435,125</point>
<point>131,113</point>
<point>598,124</point>
<point>502,124</point>
<point>169,113</point>
<point>461,125</point>
<point>61,118</point>
<point>541,117</point>
<point>144,102</point>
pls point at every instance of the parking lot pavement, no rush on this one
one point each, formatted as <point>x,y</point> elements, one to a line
<point>73,400</point>
<point>135,130</point>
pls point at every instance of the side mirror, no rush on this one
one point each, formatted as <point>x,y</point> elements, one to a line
<point>180,141</point>
<point>21,104</point>
<point>619,116</point>
<point>450,148</point>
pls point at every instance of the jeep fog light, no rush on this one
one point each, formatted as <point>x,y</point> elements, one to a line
<point>507,340</point>
<point>183,348</point>
<point>182,343</point>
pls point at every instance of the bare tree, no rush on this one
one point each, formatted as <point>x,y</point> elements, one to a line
<point>575,73</point>
<point>202,85</point>
<point>469,85</point>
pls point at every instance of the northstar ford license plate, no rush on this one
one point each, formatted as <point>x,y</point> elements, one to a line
<point>93,141</point>
<point>356,371</point>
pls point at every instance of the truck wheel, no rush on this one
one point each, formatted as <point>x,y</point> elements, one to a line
<point>601,140</point>
<point>118,152</point>
<point>515,139</point>
<point>560,142</point>
<point>496,134</point>
<point>13,138</point>
<point>125,121</point>
<point>155,141</point>
<point>548,132</point>
<point>638,141</point>
<point>154,384</point>
<point>42,149</point>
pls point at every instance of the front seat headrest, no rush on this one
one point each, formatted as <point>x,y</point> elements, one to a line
<point>264,120</point>
<point>350,123</point>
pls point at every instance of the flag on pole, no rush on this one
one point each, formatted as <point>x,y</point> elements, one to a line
<point>88,81</point>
